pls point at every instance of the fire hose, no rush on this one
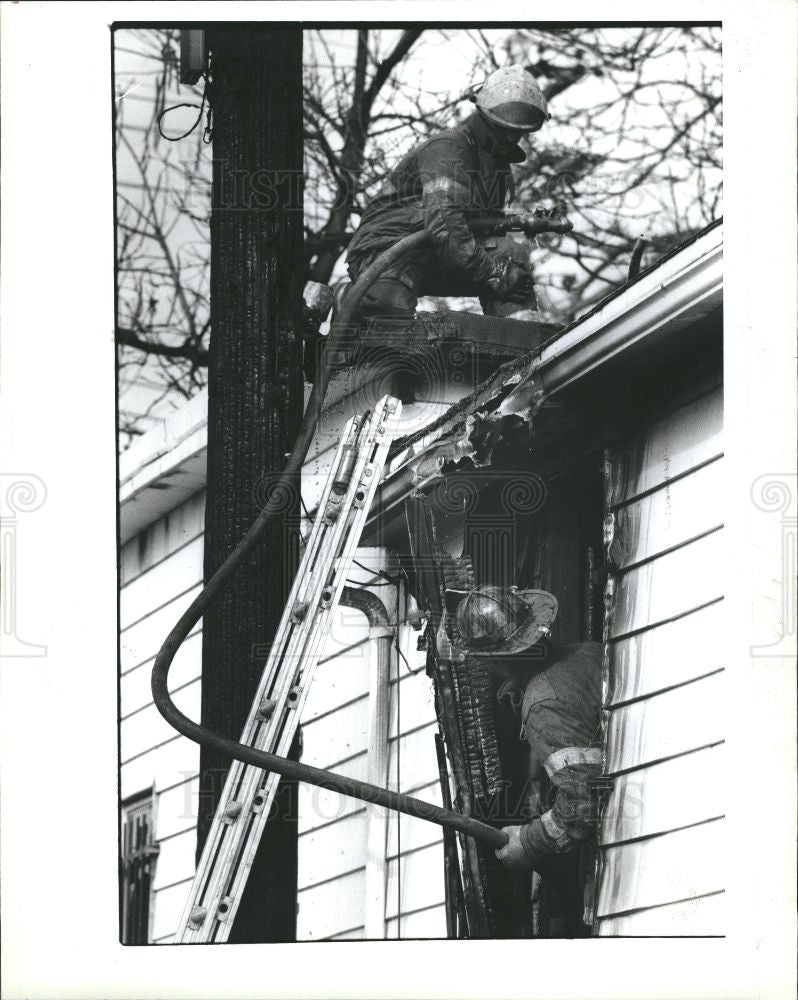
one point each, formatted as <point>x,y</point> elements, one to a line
<point>163,661</point>
<point>160,673</point>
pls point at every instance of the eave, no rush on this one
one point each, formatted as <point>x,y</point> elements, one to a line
<point>677,292</point>
<point>168,464</point>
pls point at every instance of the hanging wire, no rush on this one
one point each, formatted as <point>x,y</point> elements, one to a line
<point>387,580</point>
<point>207,132</point>
<point>391,581</point>
<point>402,621</point>
<point>410,670</point>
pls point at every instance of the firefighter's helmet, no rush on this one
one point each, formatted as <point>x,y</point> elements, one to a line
<point>511,98</point>
<point>502,621</point>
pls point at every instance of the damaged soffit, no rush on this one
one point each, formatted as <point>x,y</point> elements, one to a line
<point>675,292</point>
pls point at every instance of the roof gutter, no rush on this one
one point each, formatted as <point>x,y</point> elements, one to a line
<point>668,297</point>
<point>662,303</point>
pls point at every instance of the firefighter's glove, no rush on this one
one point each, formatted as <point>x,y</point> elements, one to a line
<point>513,283</point>
<point>513,855</point>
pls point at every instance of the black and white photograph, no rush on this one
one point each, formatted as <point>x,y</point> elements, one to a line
<point>445,545</point>
<point>461,601</point>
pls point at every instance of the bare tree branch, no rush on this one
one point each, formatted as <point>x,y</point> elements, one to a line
<point>634,144</point>
<point>185,350</point>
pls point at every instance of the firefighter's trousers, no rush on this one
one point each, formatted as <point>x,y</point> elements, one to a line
<point>392,299</point>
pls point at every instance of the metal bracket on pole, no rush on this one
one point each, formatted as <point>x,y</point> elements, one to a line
<point>193,55</point>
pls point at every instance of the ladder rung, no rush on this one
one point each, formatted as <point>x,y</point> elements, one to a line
<point>248,793</point>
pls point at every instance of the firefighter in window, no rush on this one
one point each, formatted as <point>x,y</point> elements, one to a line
<point>556,690</point>
<point>439,186</point>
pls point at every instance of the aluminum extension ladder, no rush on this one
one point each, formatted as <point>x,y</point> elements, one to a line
<point>274,717</point>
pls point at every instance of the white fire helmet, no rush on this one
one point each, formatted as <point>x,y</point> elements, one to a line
<point>511,98</point>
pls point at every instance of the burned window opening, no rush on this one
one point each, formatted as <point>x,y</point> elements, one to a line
<point>509,529</point>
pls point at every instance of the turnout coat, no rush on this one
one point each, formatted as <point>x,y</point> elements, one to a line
<point>457,173</point>
<point>560,712</point>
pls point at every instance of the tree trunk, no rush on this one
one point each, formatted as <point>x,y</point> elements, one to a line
<point>255,390</point>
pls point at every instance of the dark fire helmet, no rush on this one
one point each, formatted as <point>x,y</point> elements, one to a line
<point>503,621</point>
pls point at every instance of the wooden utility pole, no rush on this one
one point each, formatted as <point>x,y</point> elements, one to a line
<point>255,390</point>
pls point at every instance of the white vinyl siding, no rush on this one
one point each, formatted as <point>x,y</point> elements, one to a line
<point>333,828</point>
<point>663,827</point>
<point>161,573</point>
<point>141,641</point>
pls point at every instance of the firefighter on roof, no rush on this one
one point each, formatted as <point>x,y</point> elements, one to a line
<point>557,691</point>
<point>454,175</point>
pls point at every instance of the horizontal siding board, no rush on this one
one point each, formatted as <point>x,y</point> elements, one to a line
<point>411,833</point>
<point>343,733</point>
<point>356,934</point>
<point>175,859</point>
<point>661,832</point>
<point>669,586</point>
<point>347,628</point>
<point>345,676</point>
<point>332,850</point>
<point>337,682</point>
<point>129,561</point>
<point>176,809</point>
<point>332,907</point>
<point>668,448</point>
<point>134,687</point>
<point>148,728</point>
<point>672,515</point>
<point>172,576</point>
<point>666,724</point>
<point>419,766</point>
<point>415,881</point>
<point>427,923</point>
<point>413,660</point>
<point>412,702</point>
<point>335,850</point>
<point>673,793</point>
<point>675,866</point>
<point>319,806</point>
<point>161,766</point>
<point>140,642</point>
<point>667,655</point>
<point>162,538</point>
<point>155,550</point>
<point>336,736</point>
<point>168,906</point>
<point>415,755</point>
<point>705,915</point>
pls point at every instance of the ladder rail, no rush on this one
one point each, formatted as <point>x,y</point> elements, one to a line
<point>344,561</point>
<point>238,824</point>
<point>240,752</point>
<point>218,832</point>
<point>243,787</point>
<point>214,894</point>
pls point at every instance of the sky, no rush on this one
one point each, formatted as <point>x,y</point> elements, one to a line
<point>432,68</point>
<point>441,65</point>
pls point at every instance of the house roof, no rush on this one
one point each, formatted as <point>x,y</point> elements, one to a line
<point>699,256</point>
<point>163,467</point>
<point>667,297</point>
<point>166,465</point>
